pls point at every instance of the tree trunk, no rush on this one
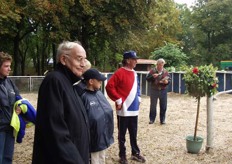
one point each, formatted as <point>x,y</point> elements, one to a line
<point>197,116</point>
<point>16,56</point>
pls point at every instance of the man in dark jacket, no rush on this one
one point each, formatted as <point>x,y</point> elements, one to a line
<point>8,93</point>
<point>159,79</point>
<point>62,130</point>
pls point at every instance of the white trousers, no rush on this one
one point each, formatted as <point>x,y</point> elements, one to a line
<point>98,157</point>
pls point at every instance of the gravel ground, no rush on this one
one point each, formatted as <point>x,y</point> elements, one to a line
<point>164,144</point>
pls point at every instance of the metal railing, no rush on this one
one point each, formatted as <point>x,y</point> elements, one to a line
<point>32,83</point>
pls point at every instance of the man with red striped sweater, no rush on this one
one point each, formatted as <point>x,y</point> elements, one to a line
<point>123,88</point>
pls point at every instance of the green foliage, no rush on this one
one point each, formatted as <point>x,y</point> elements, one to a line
<point>163,26</point>
<point>8,14</point>
<point>201,81</point>
<point>172,54</point>
<point>186,37</point>
<point>170,69</point>
<point>211,28</point>
<point>106,28</point>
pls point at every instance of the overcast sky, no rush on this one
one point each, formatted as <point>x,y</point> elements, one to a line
<point>188,2</point>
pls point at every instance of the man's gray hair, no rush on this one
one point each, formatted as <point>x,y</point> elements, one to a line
<point>65,48</point>
<point>161,60</point>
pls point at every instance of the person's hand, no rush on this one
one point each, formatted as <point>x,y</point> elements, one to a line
<point>118,107</point>
<point>155,75</point>
<point>165,81</point>
<point>18,110</point>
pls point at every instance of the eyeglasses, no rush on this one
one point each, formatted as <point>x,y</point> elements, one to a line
<point>77,58</point>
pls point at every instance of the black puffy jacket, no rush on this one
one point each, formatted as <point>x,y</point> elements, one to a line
<point>101,119</point>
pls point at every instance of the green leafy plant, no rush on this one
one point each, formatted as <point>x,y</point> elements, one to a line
<point>200,81</point>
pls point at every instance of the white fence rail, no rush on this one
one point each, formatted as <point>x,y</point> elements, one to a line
<point>32,83</point>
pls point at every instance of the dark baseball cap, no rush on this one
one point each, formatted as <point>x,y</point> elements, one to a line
<point>93,73</point>
<point>130,55</point>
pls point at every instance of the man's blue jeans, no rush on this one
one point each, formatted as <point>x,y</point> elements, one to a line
<point>154,96</point>
<point>6,148</point>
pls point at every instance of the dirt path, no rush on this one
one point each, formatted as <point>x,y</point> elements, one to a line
<point>165,144</point>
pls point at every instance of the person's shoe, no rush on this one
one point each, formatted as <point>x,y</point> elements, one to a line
<point>151,122</point>
<point>138,158</point>
<point>123,160</point>
<point>162,123</point>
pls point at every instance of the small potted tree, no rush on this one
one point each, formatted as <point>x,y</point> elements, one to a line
<point>199,81</point>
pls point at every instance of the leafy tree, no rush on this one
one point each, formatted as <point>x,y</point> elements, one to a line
<point>186,36</point>
<point>162,26</point>
<point>172,54</point>
<point>116,26</point>
<point>212,23</point>
<point>105,28</point>
<point>29,15</point>
<point>7,14</point>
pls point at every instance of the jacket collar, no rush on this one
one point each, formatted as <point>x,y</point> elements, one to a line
<point>68,73</point>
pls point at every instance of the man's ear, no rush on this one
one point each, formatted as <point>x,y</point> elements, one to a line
<point>63,59</point>
<point>90,81</point>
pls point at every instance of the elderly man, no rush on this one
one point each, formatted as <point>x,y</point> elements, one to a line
<point>159,79</point>
<point>61,130</point>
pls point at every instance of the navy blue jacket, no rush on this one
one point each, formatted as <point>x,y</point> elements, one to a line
<point>8,92</point>
<point>101,120</point>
